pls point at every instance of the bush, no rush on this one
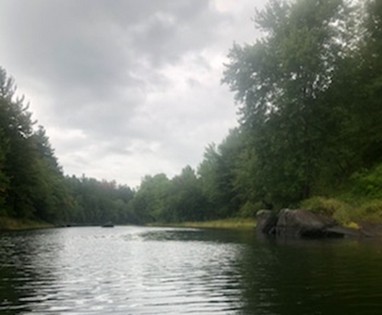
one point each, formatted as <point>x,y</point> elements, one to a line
<point>346,213</point>
<point>322,205</point>
<point>339,210</point>
<point>368,183</point>
<point>370,211</point>
<point>249,210</point>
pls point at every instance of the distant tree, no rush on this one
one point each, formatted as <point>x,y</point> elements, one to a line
<point>151,199</point>
<point>209,174</point>
<point>96,202</point>
<point>187,202</point>
<point>218,175</point>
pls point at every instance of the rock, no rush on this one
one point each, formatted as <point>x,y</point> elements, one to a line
<point>370,229</point>
<point>266,222</point>
<point>340,231</point>
<point>302,223</point>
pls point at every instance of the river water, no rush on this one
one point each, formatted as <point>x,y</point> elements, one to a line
<point>143,270</point>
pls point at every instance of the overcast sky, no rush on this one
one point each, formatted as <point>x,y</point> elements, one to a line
<point>126,88</point>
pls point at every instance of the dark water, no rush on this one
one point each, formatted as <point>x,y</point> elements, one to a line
<point>134,270</point>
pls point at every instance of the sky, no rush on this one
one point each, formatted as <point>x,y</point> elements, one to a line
<point>126,88</point>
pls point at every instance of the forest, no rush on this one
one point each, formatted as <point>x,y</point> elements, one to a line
<point>310,135</point>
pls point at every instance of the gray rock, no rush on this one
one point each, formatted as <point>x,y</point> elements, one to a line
<point>266,222</point>
<point>302,223</point>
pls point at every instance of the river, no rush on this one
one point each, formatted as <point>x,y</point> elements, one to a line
<point>145,270</point>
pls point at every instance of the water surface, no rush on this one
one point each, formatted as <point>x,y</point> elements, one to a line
<point>138,270</point>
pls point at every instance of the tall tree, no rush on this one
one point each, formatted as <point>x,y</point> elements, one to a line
<point>51,196</point>
<point>279,81</point>
<point>31,181</point>
<point>4,180</point>
<point>17,127</point>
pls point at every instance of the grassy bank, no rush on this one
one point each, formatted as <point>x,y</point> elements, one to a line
<point>10,224</point>
<point>231,223</point>
<point>348,212</point>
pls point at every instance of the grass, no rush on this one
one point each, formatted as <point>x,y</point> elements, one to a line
<point>350,212</point>
<point>231,223</point>
<point>7,223</point>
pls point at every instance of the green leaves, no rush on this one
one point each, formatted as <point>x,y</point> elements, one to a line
<point>309,95</point>
<point>30,177</point>
<point>283,83</point>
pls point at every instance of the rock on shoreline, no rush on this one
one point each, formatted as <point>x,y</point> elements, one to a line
<point>301,223</point>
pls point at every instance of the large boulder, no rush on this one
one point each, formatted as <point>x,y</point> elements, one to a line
<point>266,221</point>
<point>302,223</point>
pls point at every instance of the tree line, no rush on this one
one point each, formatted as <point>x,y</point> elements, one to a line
<point>308,92</point>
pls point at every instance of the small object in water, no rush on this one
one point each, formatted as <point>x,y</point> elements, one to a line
<point>108,225</point>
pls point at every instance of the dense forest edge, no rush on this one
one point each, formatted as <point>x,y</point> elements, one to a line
<point>310,135</point>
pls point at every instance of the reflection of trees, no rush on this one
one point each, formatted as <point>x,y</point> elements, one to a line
<point>311,278</point>
<point>26,262</point>
<point>9,295</point>
<point>223,271</point>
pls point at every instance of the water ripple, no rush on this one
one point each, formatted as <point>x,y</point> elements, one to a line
<point>126,271</point>
<point>131,270</point>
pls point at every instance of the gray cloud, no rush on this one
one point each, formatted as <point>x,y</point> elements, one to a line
<point>125,82</point>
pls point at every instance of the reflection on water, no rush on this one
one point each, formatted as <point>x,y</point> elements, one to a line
<point>135,270</point>
<point>301,277</point>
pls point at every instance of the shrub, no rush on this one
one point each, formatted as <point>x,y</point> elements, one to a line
<point>370,211</point>
<point>249,210</point>
<point>368,183</point>
<point>339,210</point>
<point>322,205</point>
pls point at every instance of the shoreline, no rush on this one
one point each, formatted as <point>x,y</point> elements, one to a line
<point>370,229</point>
<point>13,224</point>
<point>231,223</point>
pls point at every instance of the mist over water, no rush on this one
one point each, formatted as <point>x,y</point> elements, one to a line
<point>140,270</point>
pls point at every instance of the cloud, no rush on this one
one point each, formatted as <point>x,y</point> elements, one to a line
<point>125,88</point>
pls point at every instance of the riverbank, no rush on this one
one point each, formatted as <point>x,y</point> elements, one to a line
<point>349,212</point>
<point>12,224</point>
<point>231,223</point>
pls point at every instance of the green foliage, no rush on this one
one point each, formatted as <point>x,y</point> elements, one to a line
<point>367,184</point>
<point>306,92</point>
<point>280,81</point>
<point>249,209</point>
<point>339,210</point>
<point>31,181</point>
<point>309,96</point>
<point>98,202</point>
<point>187,202</point>
<point>229,223</point>
<point>370,211</point>
<point>7,223</point>
<point>346,212</point>
<point>150,201</point>
<point>218,174</point>
<point>159,199</point>
<point>322,205</point>
<point>4,180</point>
